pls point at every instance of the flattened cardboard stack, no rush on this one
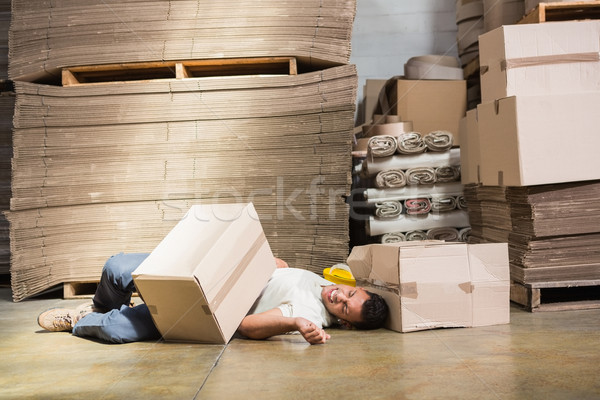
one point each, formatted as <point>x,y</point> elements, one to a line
<point>45,37</point>
<point>110,167</point>
<point>6,114</point>
<point>409,166</point>
<point>7,102</point>
<point>524,183</point>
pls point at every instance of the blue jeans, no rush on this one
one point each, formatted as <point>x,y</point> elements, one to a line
<point>120,323</point>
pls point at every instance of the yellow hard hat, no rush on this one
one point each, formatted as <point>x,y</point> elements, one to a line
<point>340,274</point>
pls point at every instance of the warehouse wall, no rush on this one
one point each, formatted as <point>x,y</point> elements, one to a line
<point>387,33</point>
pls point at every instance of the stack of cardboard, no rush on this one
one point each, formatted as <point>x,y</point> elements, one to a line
<point>409,168</point>
<point>109,167</point>
<point>6,114</point>
<point>529,150</point>
<point>45,38</point>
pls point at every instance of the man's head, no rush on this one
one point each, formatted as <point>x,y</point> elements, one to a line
<point>355,306</point>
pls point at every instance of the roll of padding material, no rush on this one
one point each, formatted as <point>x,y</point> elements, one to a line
<point>449,234</point>
<point>393,237</point>
<point>392,178</point>
<point>411,143</point>
<point>415,235</point>
<point>443,204</point>
<point>388,209</point>
<point>433,67</point>
<point>447,174</point>
<point>417,206</point>
<point>420,176</point>
<point>439,140</point>
<point>382,146</point>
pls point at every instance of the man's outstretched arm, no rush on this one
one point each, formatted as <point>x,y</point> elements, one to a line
<point>272,322</point>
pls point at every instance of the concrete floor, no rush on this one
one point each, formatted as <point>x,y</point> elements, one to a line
<point>551,355</point>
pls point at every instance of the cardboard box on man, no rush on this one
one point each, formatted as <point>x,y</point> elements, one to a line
<point>536,59</point>
<point>203,277</point>
<point>434,284</point>
<point>431,105</point>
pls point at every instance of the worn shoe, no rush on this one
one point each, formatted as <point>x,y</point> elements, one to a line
<point>57,319</point>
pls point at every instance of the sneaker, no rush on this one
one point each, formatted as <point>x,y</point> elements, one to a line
<point>57,319</point>
<point>83,310</point>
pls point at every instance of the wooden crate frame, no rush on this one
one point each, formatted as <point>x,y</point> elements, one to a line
<point>572,10</point>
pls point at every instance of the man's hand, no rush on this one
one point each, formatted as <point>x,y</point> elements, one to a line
<point>311,333</point>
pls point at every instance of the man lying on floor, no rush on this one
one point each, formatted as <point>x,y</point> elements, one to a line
<point>294,300</point>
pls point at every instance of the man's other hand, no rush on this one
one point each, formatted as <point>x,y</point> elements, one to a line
<point>311,333</point>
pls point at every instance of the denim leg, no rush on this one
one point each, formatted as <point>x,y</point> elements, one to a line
<point>123,325</point>
<point>116,284</point>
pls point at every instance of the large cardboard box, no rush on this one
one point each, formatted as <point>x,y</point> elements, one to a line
<point>433,284</point>
<point>431,105</point>
<point>203,277</point>
<point>537,140</point>
<point>535,59</point>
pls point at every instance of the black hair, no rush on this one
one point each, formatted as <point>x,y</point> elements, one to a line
<point>373,314</point>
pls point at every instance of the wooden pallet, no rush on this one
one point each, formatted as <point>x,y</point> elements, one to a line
<point>79,290</point>
<point>556,296</point>
<point>82,290</point>
<point>141,71</point>
<point>572,10</point>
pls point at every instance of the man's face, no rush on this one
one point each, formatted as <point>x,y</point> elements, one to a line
<point>344,302</point>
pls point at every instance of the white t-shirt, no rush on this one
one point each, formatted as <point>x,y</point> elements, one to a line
<point>297,293</point>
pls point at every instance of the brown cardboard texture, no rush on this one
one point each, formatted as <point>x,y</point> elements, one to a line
<point>535,59</point>
<point>203,277</point>
<point>469,148</point>
<point>430,104</point>
<point>434,284</point>
<point>536,140</point>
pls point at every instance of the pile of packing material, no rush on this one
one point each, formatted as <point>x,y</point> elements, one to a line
<point>45,38</point>
<point>529,158</point>
<point>410,181</point>
<point>109,167</point>
<point>469,22</point>
<point>501,12</point>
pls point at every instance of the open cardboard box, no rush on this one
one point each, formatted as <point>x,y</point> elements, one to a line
<point>203,277</point>
<point>435,284</point>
